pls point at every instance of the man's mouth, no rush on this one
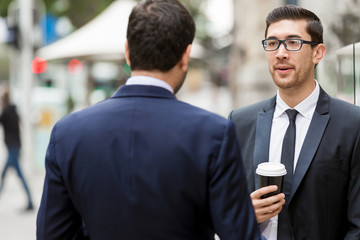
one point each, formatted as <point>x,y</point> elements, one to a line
<point>283,68</point>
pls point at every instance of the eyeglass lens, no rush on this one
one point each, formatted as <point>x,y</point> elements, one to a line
<point>290,44</point>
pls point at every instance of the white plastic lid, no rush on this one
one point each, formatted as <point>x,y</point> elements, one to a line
<point>271,169</point>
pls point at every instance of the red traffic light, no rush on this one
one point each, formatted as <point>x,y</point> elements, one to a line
<point>75,66</point>
<point>38,65</point>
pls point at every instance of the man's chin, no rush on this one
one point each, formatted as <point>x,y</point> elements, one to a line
<point>284,83</point>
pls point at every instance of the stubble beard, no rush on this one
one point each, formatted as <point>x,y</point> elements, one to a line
<point>289,83</point>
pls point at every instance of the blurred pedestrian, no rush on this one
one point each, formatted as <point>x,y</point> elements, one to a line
<point>10,121</point>
<point>143,165</point>
<point>321,197</point>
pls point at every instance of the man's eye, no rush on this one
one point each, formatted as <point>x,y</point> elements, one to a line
<point>293,42</point>
<point>272,43</point>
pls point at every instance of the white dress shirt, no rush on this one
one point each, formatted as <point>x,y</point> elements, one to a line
<point>280,122</point>
<point>145,80</point>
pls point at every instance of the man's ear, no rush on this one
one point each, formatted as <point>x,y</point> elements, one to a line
<point>127,54</point>
<point>184,61</point>
<point>319,53</point>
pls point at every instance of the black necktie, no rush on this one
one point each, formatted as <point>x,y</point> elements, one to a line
<point>288,150</point>
<point>287,158</point>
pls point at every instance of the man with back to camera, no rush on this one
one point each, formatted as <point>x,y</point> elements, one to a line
<point>322,188</point>
<point>143,165</point>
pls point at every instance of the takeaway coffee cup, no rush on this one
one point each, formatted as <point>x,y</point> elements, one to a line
<point>271,173</point>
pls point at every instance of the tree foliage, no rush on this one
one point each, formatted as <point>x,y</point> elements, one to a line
<point>82,11</point>
<point>79,11</point>
<point>4,4</point>
<point>347,27</point>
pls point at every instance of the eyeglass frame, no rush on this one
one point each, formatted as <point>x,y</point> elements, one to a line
<point>283,42</point>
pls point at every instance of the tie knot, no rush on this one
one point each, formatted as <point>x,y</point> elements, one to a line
<point>291,114</point>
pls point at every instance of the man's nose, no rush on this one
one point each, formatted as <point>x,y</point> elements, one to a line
<point>282,52</point>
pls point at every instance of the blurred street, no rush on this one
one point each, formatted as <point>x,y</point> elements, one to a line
<point>82,62</point>
<point>15,223</point>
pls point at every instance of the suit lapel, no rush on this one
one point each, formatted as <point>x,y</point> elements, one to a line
<point>262,137</point>
<point>312,140</point>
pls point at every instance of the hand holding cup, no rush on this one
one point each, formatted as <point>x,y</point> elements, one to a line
<point>271,173</point>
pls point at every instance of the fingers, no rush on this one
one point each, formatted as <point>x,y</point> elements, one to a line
<point>262,217</point>
<point>268,207</point>
<point>262,191</point>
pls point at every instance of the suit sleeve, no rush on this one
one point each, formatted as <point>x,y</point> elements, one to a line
<point>231,210</point>
<point>354,194</point>
<point>57,218</point>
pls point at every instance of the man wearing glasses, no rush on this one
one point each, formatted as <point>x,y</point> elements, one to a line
<point>321,192</point>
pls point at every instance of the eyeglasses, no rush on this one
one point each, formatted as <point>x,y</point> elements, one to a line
<point>271,45</point>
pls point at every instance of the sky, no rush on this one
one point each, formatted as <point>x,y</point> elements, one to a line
<point>3,31</point>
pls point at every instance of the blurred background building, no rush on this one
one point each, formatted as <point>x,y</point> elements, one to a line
<point>59,56</point>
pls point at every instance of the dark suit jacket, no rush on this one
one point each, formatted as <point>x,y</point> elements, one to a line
<point>325,197</point>
<point>143,165</point>
<point>9,118</point>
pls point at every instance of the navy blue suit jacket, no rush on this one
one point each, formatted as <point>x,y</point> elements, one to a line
<point>143,165</point>
<point>325,197</point>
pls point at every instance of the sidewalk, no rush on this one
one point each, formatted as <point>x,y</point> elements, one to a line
<point>15,224</point>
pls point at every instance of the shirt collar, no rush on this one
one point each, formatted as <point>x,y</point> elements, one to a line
<point>306,108</point>
<point>145,80</point>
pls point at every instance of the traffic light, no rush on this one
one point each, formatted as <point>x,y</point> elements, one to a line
<point>13,26</point>
<point>15,31</point>
<point>13,38</point>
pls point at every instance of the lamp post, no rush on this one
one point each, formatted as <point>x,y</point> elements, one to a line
<point>25,76</point>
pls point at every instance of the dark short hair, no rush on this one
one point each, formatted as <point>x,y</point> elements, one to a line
<point>158,34</point>
<point>292,12</point>
<point>6,97</point>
